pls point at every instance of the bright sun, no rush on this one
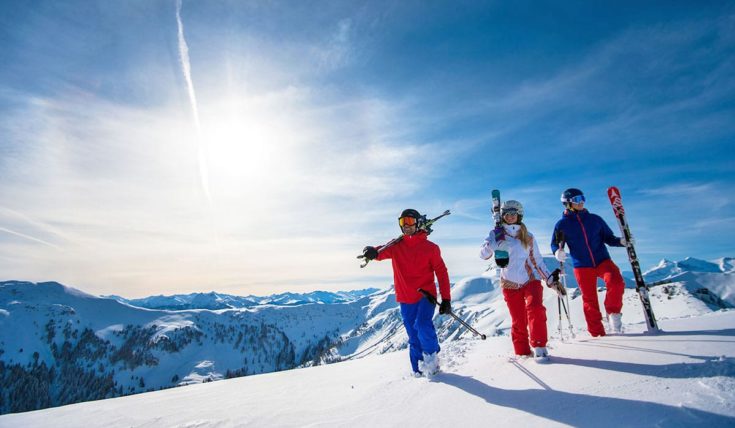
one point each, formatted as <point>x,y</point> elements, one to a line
<point>241,147</point>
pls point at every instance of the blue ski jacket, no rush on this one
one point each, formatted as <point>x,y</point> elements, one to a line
<point>586,235</point>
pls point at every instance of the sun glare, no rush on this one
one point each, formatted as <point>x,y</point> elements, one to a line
<point>242,148</point>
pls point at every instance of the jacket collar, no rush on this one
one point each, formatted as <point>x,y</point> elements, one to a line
<point>415,238</point>
<point>569,213</point>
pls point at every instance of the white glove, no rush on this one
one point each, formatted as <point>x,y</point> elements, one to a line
<point>625,243</point>
<point>560,255</point>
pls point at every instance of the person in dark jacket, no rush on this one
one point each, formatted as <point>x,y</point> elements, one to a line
<point>416,261</point>
<point>586,235</point>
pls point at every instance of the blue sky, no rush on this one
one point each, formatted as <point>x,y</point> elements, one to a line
<point>256,147</point>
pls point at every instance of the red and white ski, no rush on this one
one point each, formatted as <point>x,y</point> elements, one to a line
<point>640,285</point>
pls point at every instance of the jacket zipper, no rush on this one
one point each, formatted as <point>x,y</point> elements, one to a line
<point>586,241</point>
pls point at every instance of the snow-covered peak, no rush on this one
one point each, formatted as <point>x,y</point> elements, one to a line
<point>475,290</point>
<point>713,281</point>
<point>727,264</point>
<point>50,290</point>
<point>667,268</point>
<point>696,265</point>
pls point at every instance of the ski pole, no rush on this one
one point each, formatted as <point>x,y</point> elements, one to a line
<point>566,312</point>
<point>560,241</point>
<point>559,327</point>
<point>433,301</point>
<point>426,227</point>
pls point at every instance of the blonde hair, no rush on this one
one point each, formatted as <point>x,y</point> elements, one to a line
<point>523,236</point>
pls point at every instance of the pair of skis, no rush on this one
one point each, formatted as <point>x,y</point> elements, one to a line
<point>501,254</point>
<point>613,193</point>
<point>424,225</point>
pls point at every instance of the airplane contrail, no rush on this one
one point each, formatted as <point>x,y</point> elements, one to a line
<point>35,223</point>
<point>31,238</point>
<point>186,69</point>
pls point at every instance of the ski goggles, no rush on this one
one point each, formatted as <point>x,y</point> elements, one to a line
<point>577,199</point>
<point>510,211</point>
<point>407,221</point>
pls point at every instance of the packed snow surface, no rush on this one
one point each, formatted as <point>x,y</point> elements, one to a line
<point>684,377</point>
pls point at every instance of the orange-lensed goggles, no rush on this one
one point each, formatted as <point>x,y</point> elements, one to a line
<point>407,221</point>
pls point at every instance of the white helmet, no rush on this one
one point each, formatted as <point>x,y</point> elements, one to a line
<point>511,206</point>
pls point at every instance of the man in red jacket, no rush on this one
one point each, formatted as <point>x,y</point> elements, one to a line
<point>416,261</point>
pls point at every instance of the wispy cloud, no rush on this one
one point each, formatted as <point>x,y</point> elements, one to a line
<point>624,84</point>
<point>28,237</point>
<point>686,190</point>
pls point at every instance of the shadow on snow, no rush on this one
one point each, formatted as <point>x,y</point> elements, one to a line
<point>583,410</point>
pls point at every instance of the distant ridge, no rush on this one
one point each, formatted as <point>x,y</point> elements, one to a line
<point>216,301</point>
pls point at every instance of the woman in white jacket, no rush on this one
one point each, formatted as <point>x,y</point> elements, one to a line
<point>520,281</point>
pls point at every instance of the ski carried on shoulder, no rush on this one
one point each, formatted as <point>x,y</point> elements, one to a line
<point>424,225</point>
<point>501,255</point>
<point>640,285</point>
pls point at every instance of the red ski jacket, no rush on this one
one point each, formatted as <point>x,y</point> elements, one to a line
<point>415,262</point>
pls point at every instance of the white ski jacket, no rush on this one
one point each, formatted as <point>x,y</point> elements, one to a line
<point>521,261</point>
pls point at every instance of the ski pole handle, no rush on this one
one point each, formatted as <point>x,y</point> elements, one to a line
<point>560,238</point>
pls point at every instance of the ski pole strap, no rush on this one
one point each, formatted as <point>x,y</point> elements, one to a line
<point>533,261</point>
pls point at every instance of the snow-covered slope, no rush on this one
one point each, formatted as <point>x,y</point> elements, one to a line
<point>684,378</point>
<point>108,348</point>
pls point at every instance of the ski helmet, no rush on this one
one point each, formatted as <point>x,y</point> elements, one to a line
<point>512,207</point>
<point>409,212</point>
<point>572,195</point>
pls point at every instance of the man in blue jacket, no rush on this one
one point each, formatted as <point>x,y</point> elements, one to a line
<point>586,235</point>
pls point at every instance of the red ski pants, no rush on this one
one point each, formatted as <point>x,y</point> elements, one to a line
<point>527,314</point>
<point>587,280</point>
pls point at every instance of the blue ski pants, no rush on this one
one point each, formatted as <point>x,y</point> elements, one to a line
<point>417,318</point>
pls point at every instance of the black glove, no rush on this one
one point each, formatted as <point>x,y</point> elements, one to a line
<point>558,287</point>
<point>554,277</point>
<point>370,253</point>
<point>445,307</point>
<point>553,282</point>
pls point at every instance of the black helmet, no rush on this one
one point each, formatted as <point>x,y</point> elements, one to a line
<point>572,195</point>
<point>409,212</point>
<point>420,220</point>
